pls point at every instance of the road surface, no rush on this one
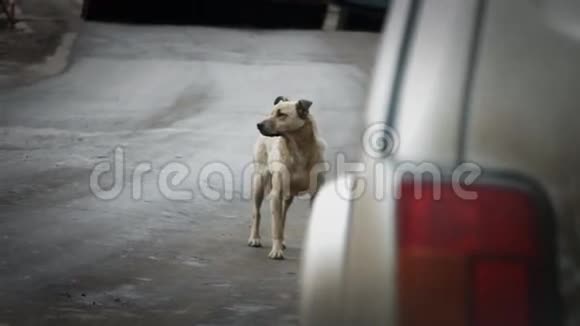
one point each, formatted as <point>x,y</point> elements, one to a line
<point>184,96</point>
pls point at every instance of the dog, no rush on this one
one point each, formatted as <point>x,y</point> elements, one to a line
<point>288,161</point>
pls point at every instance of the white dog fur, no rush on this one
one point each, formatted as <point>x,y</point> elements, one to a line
<point>289,161</point>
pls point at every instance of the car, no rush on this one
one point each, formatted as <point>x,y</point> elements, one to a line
<point>383,4</point>
<point>255,13</point>
<point>362,15</point>
<point>464,207</point>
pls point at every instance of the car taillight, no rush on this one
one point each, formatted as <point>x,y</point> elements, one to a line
<point>470,262</point>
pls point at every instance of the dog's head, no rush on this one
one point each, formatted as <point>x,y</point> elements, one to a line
<point>286,116</point>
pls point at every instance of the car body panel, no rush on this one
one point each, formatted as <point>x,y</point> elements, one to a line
<point>431,99</point>
<point>322,268</point>
<point>370,271</point>
<point>524,115</point>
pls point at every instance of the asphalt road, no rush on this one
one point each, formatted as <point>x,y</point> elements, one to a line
<point>188,96</point>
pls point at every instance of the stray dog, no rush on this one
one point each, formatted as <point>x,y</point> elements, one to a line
<point>287,158</point>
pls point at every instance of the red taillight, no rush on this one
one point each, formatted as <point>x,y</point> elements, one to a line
<point>501,292</point>
<point>468,262</point>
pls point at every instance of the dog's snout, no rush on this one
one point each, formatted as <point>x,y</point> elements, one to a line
<point>265,128</point>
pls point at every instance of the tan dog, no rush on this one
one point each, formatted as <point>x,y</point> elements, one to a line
<point>287,157</point>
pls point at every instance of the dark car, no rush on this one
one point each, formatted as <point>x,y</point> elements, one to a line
<point>256,13</point>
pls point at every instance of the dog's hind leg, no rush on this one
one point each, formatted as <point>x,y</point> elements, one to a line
<point>258,190</point>
<point>320,179</point>
<point>285,205</point>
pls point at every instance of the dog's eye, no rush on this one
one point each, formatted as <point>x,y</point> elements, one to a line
<point>281,115</point>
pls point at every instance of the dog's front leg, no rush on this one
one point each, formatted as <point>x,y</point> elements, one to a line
<point>276,208</point>
<point>285,205</point>
<point>257,196</point>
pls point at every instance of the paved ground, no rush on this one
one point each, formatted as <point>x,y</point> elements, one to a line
<point>163,94</point>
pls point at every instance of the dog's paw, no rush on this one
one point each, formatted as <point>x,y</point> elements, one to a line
<point>284,245</point>
<point>276,254</point>
<point>277,251</point>
<point>255,242</point>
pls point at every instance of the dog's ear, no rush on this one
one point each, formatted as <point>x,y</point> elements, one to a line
<point>280,99</point>
<point>303,108</point>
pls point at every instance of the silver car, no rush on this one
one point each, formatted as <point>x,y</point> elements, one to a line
<point>465,207</point>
